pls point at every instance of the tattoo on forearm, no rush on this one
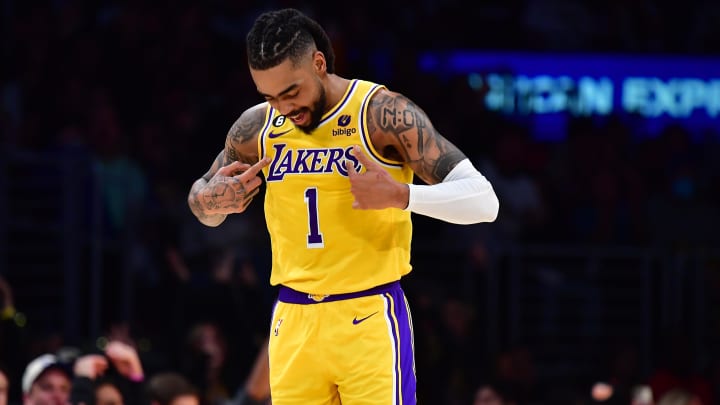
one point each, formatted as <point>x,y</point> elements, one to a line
<point>213,195</point>
<point>226,193</point>
<point>445,163</point>
<point>196,205</point>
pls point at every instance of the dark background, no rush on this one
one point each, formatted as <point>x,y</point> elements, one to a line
<point>603,264</point>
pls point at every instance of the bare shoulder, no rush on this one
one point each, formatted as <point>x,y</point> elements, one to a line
<point>241,141</point>
<point>402,131</point>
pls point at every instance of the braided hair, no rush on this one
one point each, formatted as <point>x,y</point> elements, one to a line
<point>287,33</point>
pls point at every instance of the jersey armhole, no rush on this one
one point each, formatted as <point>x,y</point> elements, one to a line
<point>263,132</point>
<point>365,136</point>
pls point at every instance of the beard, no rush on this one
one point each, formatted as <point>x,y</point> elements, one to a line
<point>316,111</point>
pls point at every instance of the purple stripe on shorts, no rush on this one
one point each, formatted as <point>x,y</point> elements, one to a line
<point>405,356</point>
<point>288,295</point>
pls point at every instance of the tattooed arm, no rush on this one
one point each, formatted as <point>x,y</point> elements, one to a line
<point>232,181</point>
<point>455,192</point>
<point>401,131</point>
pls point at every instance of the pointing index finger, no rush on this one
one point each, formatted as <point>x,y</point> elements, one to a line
<point>255,169</point>
<point>231,168</point>
<point>363,158</point>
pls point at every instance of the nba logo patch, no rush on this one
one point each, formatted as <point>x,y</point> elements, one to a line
<point>317,297</point>
<point>277,326</point>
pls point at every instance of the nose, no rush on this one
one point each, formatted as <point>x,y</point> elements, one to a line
<point>285,107</point>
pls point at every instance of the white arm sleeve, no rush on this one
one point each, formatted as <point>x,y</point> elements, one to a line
<point>464,197</point>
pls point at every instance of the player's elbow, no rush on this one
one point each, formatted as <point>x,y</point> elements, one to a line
<point>492,208</point>
<point>482,207</point>
<point>486,208</point>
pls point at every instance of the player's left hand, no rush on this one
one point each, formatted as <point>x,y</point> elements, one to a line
<point>375,188</point>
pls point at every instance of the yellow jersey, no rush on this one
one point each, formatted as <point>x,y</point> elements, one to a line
<point>320,244</point>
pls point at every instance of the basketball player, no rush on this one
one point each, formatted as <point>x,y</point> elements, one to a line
<point>338,158</point>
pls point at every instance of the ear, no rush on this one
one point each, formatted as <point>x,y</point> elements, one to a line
<point>319,62</point>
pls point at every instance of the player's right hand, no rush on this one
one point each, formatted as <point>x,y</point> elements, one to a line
<point>232,187</point>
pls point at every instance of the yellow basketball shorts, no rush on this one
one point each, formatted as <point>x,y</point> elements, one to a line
<point>349,349</point>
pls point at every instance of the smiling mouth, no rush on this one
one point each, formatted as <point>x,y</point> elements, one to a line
<point>297,117</point>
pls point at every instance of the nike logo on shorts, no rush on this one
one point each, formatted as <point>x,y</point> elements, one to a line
<point>357,321</point>
<point>276,134</point>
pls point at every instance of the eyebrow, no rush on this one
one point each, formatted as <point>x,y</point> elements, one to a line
<point>287,90</point>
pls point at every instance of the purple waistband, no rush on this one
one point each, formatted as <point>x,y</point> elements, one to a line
<point>287,294</point>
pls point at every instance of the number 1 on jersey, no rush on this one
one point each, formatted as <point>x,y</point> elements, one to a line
<point>314,238</point>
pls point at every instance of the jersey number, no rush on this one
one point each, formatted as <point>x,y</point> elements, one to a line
<point>314,237</point>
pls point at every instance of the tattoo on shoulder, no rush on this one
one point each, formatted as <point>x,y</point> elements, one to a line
<point>430,155</point>
<point>240,143</point>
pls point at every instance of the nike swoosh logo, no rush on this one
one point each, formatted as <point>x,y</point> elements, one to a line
<point>357,321</point>
<point>276,134</point>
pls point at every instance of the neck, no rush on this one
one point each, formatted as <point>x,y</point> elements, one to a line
<point>335,87</point>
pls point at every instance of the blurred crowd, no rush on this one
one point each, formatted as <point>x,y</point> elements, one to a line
<point>145,91</point>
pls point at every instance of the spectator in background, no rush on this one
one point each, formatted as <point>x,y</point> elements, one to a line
<point>256,390</point>
<point>676,370</point>
<point>12,337</point>
<point>86,369</point>
<point>463,351</point>
<point>622,371</point>
<point>46,381</point>
<point>494,392</point>
<point>171,388</point>
<point>123,181</point>
<point>89,387</point>
<point>206,362</point>
<point>679,396</point>
<point>4,386</point>
<point>517,366</point>
<point>124,189</point>
<point>107,392</point>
